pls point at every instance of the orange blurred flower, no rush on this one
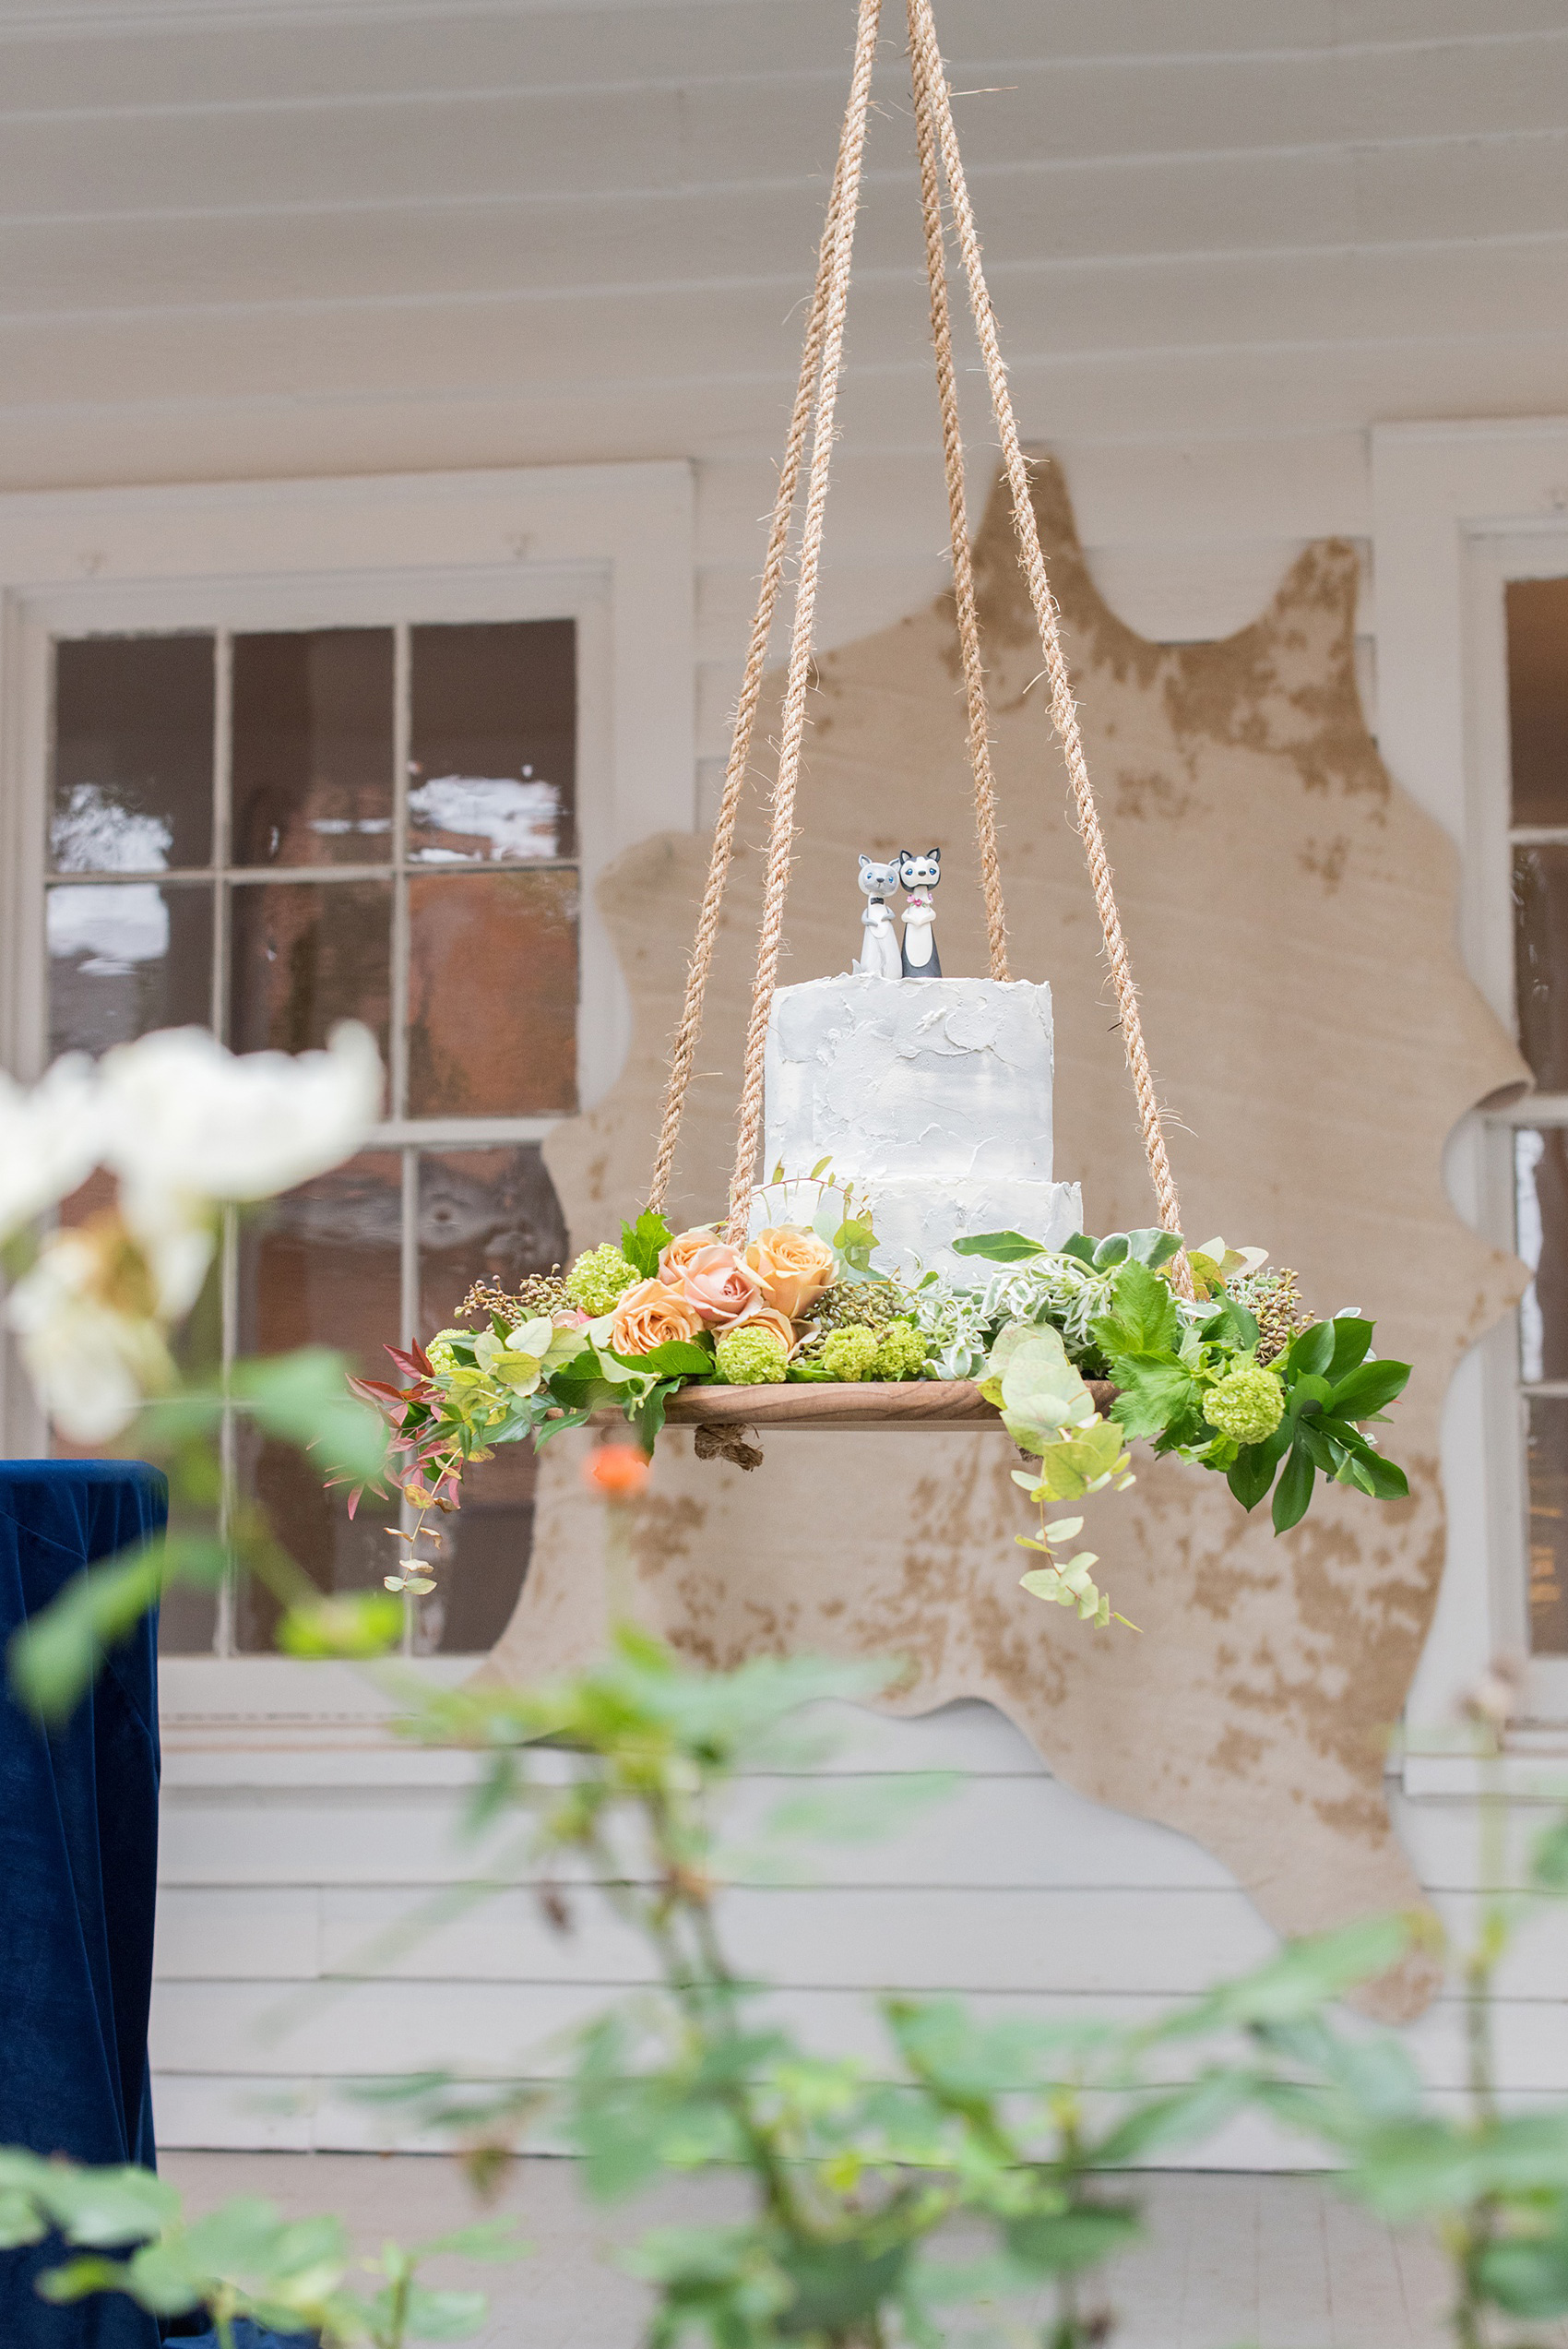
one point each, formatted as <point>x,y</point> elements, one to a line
<point>616,1471</point>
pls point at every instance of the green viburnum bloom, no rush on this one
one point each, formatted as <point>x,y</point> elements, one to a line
<point>753,1355</point>
<point>439,1353</point>
<point>1247,1404</point>
<point>850,1354</point>
<point>901,1353</point>
<point>597,1278</point>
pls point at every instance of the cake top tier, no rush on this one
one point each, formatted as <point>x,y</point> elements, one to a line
<point>948,1078</point>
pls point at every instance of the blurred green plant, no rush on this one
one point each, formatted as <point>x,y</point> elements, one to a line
<point>241,2259</point>
<point>972,2162</point>
<point>1491,2184</point>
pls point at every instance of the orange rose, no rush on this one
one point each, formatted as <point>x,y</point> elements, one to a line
<point>764,1317</point>
<point>651,1315</point>
<point>717,1285</point>
<point>680,1250</point>
<point>792,1267</point>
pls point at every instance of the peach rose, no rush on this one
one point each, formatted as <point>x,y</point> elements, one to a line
<point>717,1285</point>
<point>792,1268</point>
<point>680,1250</point>
<point>765,1316</point>
<point>652,1314</point>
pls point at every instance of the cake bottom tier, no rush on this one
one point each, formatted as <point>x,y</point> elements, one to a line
<point>917,1221</point>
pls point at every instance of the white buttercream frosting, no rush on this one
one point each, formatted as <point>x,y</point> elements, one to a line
<point>943,1078</point>
<point>934,1094</point>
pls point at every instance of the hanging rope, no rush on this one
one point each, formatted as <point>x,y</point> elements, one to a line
<point>931,76</point>
<point>963,567</point>
<point>821,365</point>
<point>782,836</point>
<point>684,1050</point>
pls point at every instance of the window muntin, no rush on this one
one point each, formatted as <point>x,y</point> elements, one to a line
<point>267,832</point>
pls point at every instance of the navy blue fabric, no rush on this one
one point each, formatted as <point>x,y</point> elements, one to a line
<point>79,1851</point>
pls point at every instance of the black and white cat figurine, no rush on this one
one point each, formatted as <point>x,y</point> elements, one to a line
<point>919,875</point>
<point>879,954</point>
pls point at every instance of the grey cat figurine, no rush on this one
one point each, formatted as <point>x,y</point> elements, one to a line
<point>919,875</point>
<point>879,953</point>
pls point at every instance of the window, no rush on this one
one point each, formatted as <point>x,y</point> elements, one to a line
<point>1471,557</point>
<point>268,802</point>
<point>387,815</point>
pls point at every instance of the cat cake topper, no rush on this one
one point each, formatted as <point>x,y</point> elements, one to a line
<point>919,875</point>
<point>880,958</point>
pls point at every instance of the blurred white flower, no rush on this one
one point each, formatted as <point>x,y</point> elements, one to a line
<point>186,1127</point>
<point>86,1321</point>
<point>50,1139</point>
<point>186,1121</point>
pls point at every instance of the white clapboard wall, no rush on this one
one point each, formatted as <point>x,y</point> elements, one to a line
<point>322,236</point>
<point>303,1953</point>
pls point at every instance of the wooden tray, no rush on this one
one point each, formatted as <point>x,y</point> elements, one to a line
<point>909,1402</point>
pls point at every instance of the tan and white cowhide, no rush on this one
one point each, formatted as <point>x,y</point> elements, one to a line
<point>1291,920</point>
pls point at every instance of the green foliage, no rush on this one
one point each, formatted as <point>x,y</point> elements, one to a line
<point>1013,2127</point>
<point>642,1245</point>
<point>241,2259</point>
<point>302,1399</point>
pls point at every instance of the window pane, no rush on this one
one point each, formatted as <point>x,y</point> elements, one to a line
<point>312,747</point>
<point>492,994</point>
<point>483,1215</point>
<point>1548,1524</point>
<point>1540,1190</point>
<point>303,955</point>
<point>320,1267</point>
<point>1537,698</point>
<point>493,753</point>
<point>133,754</point>
<point>1541,961</point>
<point>125,958</point>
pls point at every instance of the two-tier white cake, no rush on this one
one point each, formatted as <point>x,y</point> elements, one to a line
<point>934,1094</point>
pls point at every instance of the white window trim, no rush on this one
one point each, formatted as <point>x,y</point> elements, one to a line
<point>610,545</point>
<point>1456,508</point>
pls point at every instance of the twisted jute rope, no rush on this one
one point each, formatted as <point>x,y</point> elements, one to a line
<point>930,75</point>
<point>684,1050</point>
<point>963,567</point>
<point>781,835</point>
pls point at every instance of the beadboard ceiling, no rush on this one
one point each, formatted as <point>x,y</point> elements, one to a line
<point>1225,236</point>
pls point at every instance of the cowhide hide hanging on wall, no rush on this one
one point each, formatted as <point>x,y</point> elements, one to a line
<point>1290,915</point>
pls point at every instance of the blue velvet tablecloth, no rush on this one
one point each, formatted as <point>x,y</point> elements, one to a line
<point>78,1851</point>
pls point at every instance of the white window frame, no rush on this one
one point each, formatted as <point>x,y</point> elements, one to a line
<point>609,546</point>
<point>1458,510</point>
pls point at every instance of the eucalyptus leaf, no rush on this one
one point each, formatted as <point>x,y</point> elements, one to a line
<point>999,1247</point>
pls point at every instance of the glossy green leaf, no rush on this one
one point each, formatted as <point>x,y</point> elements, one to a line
<point>998,1247</point>
<point>1310,1352</point>
<point>1368,1389</point>
<point>1294,1490</point>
